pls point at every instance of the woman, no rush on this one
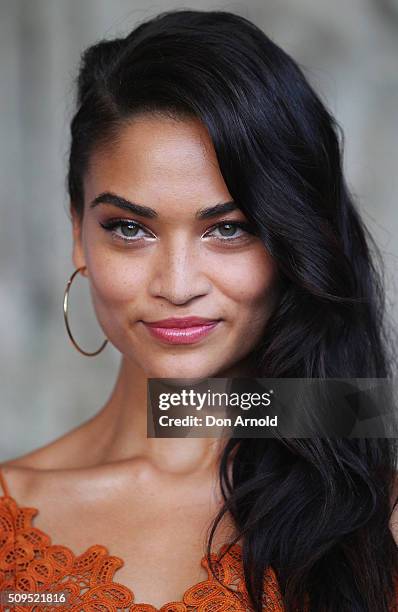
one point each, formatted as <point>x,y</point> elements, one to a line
<point>206,181</point>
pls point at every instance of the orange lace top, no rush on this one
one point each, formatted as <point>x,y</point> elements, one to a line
<point>31,563</point>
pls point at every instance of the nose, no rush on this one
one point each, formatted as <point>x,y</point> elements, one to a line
<point>177,273</point>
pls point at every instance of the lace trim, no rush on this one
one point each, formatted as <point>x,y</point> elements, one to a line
<point>29,562</point>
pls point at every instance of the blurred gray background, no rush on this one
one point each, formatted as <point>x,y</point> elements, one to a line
<point>349,51</point>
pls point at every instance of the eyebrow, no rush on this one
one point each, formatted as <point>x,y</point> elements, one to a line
<point>150,213</point>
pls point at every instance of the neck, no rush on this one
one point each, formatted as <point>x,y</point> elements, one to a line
<point>120,428</point>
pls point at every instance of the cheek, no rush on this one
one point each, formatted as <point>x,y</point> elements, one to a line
<point>250,282</point>
<point>115,287</point>
<point>114,278</point>
<point>115,281</point>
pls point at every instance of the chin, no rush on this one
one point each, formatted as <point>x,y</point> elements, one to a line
<point>185,372</point>
<point>179,382</point>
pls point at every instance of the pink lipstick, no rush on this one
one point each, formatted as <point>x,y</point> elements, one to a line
<point>185,330</point>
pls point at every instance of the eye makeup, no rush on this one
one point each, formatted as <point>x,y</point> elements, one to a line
<point>227,225</point>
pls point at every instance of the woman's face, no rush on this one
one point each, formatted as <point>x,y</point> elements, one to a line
<point>170,259</point>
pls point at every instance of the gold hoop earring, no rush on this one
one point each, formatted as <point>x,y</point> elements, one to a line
<point>66,296</point>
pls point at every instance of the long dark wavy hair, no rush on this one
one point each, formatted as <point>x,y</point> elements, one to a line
<point>316,510</point>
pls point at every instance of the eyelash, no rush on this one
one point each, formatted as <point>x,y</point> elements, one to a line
<point>110,226</point>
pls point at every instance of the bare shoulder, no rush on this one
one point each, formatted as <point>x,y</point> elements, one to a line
<point>31,485</point>
<point>68,451</point>
<point>20,470</point>
<point>25,474</point>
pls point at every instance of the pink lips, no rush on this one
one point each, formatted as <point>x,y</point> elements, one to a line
<point>184,330</point>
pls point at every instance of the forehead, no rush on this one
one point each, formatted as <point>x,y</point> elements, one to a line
<point>158,160</point>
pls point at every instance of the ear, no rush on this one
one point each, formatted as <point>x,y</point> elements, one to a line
<point>78,251</point>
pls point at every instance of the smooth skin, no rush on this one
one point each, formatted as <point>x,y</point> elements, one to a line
<point>151,500</point>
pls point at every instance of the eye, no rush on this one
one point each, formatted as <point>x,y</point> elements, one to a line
<point>129,230</point>
<point>230,231</point>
